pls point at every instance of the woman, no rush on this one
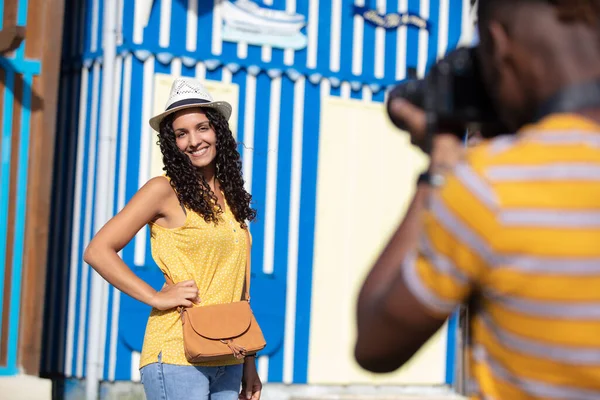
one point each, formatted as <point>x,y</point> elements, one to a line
<point>197,216</point>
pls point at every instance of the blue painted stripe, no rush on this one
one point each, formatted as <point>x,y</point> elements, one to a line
<point>20,212</point>
<point>391,45</point>
<point>100,26</point>
<point>451,349</point>
<point>300,55</point>
<point>178,27</point>
<point>356,94</point>
<point>307,232</point>
<point>335,91</point>
<point>434,19</point>
<point>412,38</point>
<point>324,36</point>
<point>128,20</point>
<point>5,174</point>
<point>378,97</point>
<point>1,14</point>
<point>347,39</point>
<point>205,22</point>
<point>454,23</point>
<point>368,58</point>
<point>215,75</point>
<point>123,367</point>
<point>284,172</point>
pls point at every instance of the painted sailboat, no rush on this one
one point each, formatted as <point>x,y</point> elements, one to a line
<point>247,16</point>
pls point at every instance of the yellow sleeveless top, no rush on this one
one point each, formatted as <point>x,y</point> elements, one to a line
<point>214,256</point>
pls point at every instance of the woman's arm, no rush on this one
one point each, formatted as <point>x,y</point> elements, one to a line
<point>152,201</point>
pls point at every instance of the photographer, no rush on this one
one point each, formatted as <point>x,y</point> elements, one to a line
<point>510,226</point>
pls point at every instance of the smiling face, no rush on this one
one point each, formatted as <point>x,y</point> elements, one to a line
<point>195,136</point>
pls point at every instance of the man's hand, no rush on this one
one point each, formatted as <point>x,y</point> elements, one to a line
<point>251,384</point>
<point>410,116</point>
<point>447,149</point>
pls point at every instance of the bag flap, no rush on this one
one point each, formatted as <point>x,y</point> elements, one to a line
<point>222,321</point>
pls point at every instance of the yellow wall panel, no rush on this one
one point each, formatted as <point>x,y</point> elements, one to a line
<point>366,178</point>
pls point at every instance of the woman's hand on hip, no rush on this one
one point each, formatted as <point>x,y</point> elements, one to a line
<point>251,384</point>
<point>183,294</point>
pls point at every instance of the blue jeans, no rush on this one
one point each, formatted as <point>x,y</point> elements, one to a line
<point>181,382</point>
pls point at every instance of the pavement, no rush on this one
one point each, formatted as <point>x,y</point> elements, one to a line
<point>23,387</point>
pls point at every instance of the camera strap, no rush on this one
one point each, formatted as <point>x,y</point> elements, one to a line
<point>571,99</point>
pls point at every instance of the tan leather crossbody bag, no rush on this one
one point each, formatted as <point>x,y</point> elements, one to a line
<point>218,332</point>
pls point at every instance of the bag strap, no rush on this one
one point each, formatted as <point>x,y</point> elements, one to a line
<point>248,265</point>
<point>248,268</point>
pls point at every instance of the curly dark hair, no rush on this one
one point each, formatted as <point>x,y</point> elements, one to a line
<point>188,182</point>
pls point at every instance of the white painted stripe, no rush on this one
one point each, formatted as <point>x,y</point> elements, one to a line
<point>444,21</point>
<point>336,35</point>
<point>191,38</point>
<point>226,76</point>
<point>146,137</point>
<point>268,2</point>
<point>423,40</point>
<point>217,40</point>
<point>200,71</point>
<point>110,206</point>
<point>103,327</point>
<point>312,34</point>
<point>176,65</point>
<point>288,54</point>
<point>380,43</point>
<point>263,368</point>
<point>120,14</point>
<point>94,28</point>
<point>112,357</point>
<point>249,110</point>
<point>289,343</point>
<point>135,366</point>
<point>242,50</point>
<point>271,190</point>
<point>266,54</point>
<point>325,88</point>
<point>87,228</point>
<point>165,23</point>
<point>367,94</point>
<point>139,19</point>
<point>345,90</point>
<point>401,44</point>
<point>357,41</point>
<point>467,25</point>
<point>75,227</point>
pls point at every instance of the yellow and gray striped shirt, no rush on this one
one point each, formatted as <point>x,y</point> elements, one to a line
<point>518,227</point>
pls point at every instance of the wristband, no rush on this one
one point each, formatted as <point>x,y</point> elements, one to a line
<point>431,179</point>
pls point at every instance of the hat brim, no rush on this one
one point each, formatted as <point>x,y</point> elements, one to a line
<point>221,106</point>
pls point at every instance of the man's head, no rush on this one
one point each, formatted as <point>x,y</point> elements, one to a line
<point>531,48</point>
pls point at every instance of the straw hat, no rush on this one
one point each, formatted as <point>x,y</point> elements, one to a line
<point>188,93</point>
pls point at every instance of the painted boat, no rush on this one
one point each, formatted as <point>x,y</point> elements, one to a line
<point>245,15</point>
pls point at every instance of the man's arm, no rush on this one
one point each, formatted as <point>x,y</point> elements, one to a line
<point>392,323</point>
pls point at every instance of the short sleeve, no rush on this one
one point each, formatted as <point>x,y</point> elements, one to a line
<point>454,251</point>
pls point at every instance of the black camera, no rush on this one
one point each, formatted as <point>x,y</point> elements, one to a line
<point>453,97</point>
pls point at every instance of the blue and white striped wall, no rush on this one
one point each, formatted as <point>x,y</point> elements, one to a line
<point>280,94</point>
